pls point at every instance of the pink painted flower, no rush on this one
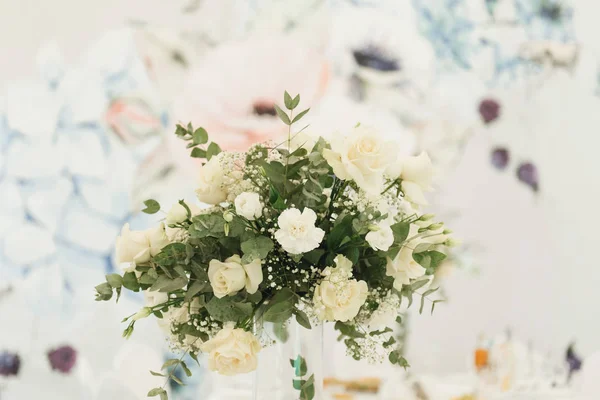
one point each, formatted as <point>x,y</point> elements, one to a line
<point>233,90</point>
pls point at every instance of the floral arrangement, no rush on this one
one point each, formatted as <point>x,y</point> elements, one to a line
<point>309,229</point>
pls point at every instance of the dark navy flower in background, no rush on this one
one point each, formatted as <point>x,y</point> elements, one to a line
<point>10,364</point>
<point>500,157</point>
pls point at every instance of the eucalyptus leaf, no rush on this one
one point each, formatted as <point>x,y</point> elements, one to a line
<point>282,115</point>
<point>152,206</point>
<point>200,136</point>
<point>299,116</point>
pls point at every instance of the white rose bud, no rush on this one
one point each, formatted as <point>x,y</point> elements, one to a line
<point>380,238</point>
<point>248,205</point>
<point>176,214</point>
<point>231,276</point>
<point>297,233</point>
<point>143,313</point>
<point>210,185</point>
<point>232,351</point>
<point>133,247</point>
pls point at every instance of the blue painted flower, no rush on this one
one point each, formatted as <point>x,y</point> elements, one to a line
<point>447,26</point>
<point>546,19</point>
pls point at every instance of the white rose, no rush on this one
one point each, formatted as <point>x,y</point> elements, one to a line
<point>362,156</point>
<point>417,174</point>
<point>338,298</point>
<point>403,268</point>
<point>210,185</point>
<point>232,351</point>
<point>231,276</point>
<point>157,238</point>
<point>297,232</point>
<point>248,205</point>
<point>133,247</point>
<point>381,238</point>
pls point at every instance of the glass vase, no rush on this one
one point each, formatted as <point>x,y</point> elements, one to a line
<point>290,366</point>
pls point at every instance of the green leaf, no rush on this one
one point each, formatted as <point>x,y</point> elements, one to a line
<point>157,374</point>
<point>175,379</point>
<point>193,290</point>
<point>299,116</point>
<point>433,305</point>
<point>164,284</point>
<point>104,292</point>
<point>282,115</point>
<point>302,319</point>
<point>298,383</point>
<point>200,136</point>
<point>114,280</point>
<point>281,332</point>
<point>339,232</point>
<point>187,371</point>
<point>299,365</point>
<point>207,225</point>
<point>295,101</point>
<point>130,281</point>
<point>194,357</point>
<point>212,150</point>
<point>226,309</point>
<point>256,247</point>
<point>279,312</point>
<point>198,153</point>
<point>429,259</point>
<point>314,256</point>
<point>169,363</point>
<point>419,284</point>
<point>171,254</point>
<point>147,279</point>
<point>157,392</point>
<point>152,206</point>
<point>287,99</point>
<point>400,230</point>
<point>180,131</point>
<point>348,330</point>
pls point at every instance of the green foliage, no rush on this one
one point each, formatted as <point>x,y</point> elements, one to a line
<point>396,358</point>
<point>152,207</point>
<point>256,247</point>
<point>228,309</point>
<point>281,306</point>
<point>429,260</point>
<point>207,225</point>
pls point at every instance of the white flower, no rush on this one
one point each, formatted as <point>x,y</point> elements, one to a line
<point>176,214</point>
<point>362,156</point>
<point>157,238</point>
<point>403,268</point>
<point>338,298</point>
<point>297,232</point>
<point>155,298</point>
<point>416,175</point>
<point>248,205</point>
<point>381,238</point>
<point>210,186</point>
<point>231,276</point>
<point>137,247</point>
<point>143,313</point>
<point>133,247</point>
<point>232,351</point>
<point>385,315</point>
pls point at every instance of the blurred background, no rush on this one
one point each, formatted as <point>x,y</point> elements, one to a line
<point>503,94</point>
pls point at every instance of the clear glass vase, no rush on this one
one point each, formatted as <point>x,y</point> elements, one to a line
<point>291,368</point>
